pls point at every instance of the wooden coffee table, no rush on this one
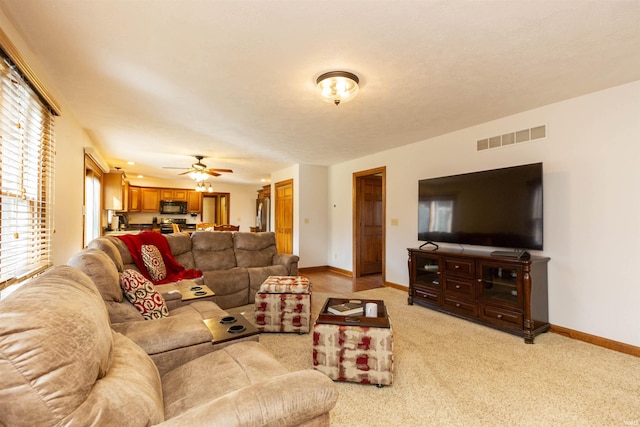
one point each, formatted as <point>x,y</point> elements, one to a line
<point>224,329</point>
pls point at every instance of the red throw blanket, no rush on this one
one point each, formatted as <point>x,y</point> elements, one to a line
<point>175,270</point>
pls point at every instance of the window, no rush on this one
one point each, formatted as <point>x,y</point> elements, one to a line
<point>92,200</point>
<point>26,174</point>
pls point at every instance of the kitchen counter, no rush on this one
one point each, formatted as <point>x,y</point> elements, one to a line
<point>121,232</point>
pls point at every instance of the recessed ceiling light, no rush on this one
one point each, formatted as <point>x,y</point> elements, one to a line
<point>140,176</point>
<point>131,163</point>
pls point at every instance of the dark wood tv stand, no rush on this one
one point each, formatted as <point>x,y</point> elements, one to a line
<point>509,294</point>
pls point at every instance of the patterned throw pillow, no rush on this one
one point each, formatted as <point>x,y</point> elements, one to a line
<point>153,262</point>
<point>143,295</point>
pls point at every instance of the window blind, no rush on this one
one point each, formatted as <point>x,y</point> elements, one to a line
<point>26,178</point>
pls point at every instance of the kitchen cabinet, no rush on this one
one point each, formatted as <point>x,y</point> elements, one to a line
<point>114,191</point>
<point>194,201</point>
<point>173,194</point>
<point>134,199</point>
<point>149,199</point>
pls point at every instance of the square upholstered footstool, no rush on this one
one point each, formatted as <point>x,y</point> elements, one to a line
<point>354,348</point>
<point>283,304</point>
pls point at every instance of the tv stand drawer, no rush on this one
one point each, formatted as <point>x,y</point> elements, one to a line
<point>464,287</point>
<point>463,267</point>
<point>500,316</point>
<point>464,308</point>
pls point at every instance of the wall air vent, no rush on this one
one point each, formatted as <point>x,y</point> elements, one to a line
<point>512,138</point>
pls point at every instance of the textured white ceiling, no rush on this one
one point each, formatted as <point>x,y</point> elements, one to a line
<point>159,81</point>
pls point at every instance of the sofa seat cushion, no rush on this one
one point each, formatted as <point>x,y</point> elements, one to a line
<point>169,333</point>
<point>216,374</point>
<point>143,295</point>
<point>203,309</point>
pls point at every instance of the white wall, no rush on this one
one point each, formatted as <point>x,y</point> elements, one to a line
<point>591,203</point>
<point>312,210</point>
<point>310,220</point>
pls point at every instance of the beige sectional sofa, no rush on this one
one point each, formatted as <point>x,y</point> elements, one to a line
<point>232,265</point>
<point>61,363</point>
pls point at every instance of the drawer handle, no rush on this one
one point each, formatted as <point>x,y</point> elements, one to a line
<point>456,266</point>
<point>499,316</point>
<point>457,286</point>
<point>457,305</point>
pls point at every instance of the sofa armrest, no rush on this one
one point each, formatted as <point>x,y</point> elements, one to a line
<point>170,292</point>
<point>165,334</point>
<point>285,400</point>
<point>288,260</point>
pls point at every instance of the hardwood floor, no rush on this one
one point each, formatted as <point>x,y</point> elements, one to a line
<point>328,281</point>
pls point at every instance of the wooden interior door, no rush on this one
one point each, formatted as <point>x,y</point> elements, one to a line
<point>284,216</point>
<point>369,222</point>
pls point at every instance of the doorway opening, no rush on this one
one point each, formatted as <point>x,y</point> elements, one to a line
<point>369,226</point>
<point>216,208</point>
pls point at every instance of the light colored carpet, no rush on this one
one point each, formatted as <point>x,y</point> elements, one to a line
<point>451,372</point>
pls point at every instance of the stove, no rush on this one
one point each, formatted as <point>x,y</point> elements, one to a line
<point>166,224</point>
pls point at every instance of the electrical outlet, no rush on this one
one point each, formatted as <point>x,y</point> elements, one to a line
<point>394,221</point>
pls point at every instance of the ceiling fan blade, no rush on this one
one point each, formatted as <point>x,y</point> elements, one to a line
<point>184,173</point>
<point>220,170</point>
<point>209,172</point>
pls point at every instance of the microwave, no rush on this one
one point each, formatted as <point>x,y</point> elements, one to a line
<point>173,207</point>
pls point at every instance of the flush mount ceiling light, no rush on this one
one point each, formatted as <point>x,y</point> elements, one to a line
<point>337,86</point>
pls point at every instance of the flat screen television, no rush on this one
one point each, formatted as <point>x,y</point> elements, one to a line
<point>499,208</point>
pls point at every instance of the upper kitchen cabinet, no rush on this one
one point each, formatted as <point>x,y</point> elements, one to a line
<point>134,199</point>
<point>173,194</point>
<point>114,184</point>
<point>194,201</point>
<point>149,199</point>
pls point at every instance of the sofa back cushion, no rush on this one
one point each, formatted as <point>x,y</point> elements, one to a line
<point>101,270</point>
<point>180,246</point>
<point>56,344</point>
<point>213,250</point>
<point>107,246</point>
<point>255,249</point>
<point>125,255</point>
<point>61,364</point>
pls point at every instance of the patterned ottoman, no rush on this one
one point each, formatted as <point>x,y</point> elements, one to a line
<point>361,353</point>
<point>283,304</point>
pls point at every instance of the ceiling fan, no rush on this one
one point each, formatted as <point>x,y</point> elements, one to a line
<point>200,168</point>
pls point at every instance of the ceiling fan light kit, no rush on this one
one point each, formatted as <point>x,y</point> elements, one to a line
<point>337,86</point>
<point>200,173</point>
<point>201,187</point>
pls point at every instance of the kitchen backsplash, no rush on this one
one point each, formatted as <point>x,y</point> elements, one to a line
<point>147,218</point>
